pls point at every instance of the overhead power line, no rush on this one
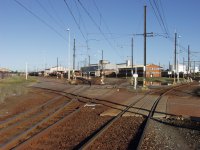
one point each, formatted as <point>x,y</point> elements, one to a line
<point>102,18</point>
<point>49,14</point>
<point>40,19</point>
<point>56,14</point>
<point>98,27</point>
<point>74,19</point>
<point>98,10</point>
<point>162,9</point>
<point>91,18</point>
<point>80,19</point>
<point>158,15</point>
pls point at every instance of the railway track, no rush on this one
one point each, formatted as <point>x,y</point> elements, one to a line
<point>27,124</point>
<point>87,144</point>
<point>37,120</point>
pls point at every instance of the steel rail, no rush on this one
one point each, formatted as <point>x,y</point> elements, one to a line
<point>89,142</point>
<point>106,126</point>
<point>151,113</point>
<point>98,133</point>
<point>17,117</point>
<point>29,133</point>
<point>45,123</point>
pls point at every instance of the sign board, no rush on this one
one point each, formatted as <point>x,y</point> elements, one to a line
<point>169,72</point>
<point>135,75</point>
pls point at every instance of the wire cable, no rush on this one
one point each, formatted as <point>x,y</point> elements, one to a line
<point>157,17</point>
<point>159,14</point>
<point>162,9</point>
<point>100,30</point>
<point>74,19</point>
<point>55,12</point>
<point>49,14</point>
<point>40,19</point>
<point>81,19</point>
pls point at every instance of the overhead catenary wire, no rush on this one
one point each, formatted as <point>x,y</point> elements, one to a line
<point>162,9</point>
<point>81,19</point>
<point>40,19</point>
<point>171,39</point>
<point>49,14</point>
<point>100,30</point>
<point>98,10</point>
<point>160,15</point>
<point>156,16</point>
<point>56,13</point>
<point>102,18</point>
<point>69,9</point>
<point>91,18</point>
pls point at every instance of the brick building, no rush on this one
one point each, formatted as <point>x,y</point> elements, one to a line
<point>153,70</point>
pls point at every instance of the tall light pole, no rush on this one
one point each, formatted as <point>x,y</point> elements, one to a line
<point>145,36</point>
<point>69,56</point>
<point>178,58</point>
<point>175,58</point>
<point>188,70</point>
<point>26,71</point>
<point>132,60</point>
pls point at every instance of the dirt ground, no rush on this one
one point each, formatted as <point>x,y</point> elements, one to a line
<point>14,105</point>
<point>78,127</point>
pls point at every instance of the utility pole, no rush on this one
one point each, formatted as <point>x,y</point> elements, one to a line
<point>69,65</point>
<point>26,71</point>
<point>57,64</point>
<point>89,60</point>
<point>175,58</point>
<point>89,66</point>
<point>145,36</point>
<point>132,80</point>
<point>74,54</point>
<point>102,75</point>
<point>170,70</point>
<point>85,62</point>
<point>177,68</point>
<point>183,66</point>
<point>188,70</point>
<point>78,66</point>
<point>57,68</point>
<point>132,56</point>
<point>194,69</point>
<point>102,63</point>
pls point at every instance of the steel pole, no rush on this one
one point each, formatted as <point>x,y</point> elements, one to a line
<point>175,58</point>
<point>145,36</point>
<point>69,57</point>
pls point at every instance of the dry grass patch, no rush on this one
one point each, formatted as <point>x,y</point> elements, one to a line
<point>14,86</point>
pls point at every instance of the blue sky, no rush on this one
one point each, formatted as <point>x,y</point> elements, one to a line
<point>25,38</point>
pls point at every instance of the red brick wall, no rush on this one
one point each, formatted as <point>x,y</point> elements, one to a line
<point>153,71</point>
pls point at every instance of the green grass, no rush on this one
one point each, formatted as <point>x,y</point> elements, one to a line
<point>14,86</point>
<point>17,80</point>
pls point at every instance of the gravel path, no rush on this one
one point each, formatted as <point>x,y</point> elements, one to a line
<point>170,137</point>
<point>19,104</point>
<point>71,131</point>
<point>121,135</point>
